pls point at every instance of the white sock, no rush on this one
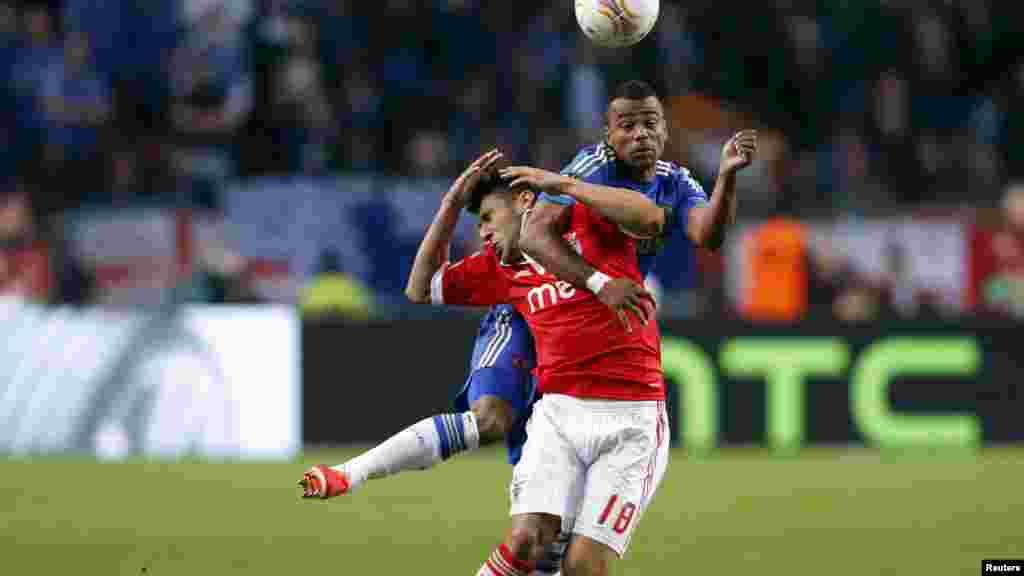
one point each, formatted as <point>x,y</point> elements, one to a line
<point>418,447</point>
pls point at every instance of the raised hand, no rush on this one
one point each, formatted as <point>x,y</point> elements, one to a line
<point>467,181</point>
<point>535,178</point>
<point>739,151</point>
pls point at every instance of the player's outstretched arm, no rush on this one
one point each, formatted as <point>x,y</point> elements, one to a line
<point>632,211</point>
<point>542,240</point>
<point>433,250</point>
<point>707,225</point>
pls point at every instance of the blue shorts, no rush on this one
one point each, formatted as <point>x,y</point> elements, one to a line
<point>502,366</point>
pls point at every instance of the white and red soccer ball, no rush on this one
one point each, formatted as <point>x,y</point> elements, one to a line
<point>616,23</point>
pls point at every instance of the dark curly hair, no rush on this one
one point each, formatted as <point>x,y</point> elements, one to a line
<point>488,184</point>
<point>633,90</point>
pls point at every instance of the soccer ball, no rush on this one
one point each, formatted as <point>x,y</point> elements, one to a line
<point>616,23</point>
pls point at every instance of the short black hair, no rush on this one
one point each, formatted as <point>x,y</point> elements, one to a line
<point>633,90</point>
<point>488,184</point>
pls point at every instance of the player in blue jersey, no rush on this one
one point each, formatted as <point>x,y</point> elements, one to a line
<point>607,177</point>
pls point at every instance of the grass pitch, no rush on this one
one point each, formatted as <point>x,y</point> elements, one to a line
<point>836,512</point>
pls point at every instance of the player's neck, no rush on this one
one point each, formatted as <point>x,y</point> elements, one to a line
<point>514,256</point>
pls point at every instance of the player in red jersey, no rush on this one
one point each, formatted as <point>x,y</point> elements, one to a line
<point>597,442</point>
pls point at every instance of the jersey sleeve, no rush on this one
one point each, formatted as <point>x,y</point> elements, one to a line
<point>472,281</point>
<point>690,194</point>
<point>571,170</point>
<point>581,168</point>
<point>563,199</point>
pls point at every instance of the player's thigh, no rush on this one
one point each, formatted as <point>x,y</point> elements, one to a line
<point>549,476</point>
<point>623,478</point>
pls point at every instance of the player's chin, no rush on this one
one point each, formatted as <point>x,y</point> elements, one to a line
<point>643,158</point>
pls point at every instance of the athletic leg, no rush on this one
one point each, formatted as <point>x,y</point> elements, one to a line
<point>623,475</point>
<point>496,396</point>
<point>545,484</point>
<point>417,447</point>
<point>523,547</point>
<point>495,417</point>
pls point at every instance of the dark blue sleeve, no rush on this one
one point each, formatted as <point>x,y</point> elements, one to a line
<point>563,199</point>
<point>689,194</point>
<point>572,170</point>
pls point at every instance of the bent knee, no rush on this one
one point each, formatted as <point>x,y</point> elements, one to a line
<point>527,544</point>
<point>529,538</point>
<point>522,541</point>
<point>494,418</point>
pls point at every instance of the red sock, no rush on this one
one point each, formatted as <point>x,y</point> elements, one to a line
<point>503,563</point>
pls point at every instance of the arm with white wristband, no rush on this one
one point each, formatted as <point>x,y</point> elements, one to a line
<point>596,281</point>
<point>542,240</point>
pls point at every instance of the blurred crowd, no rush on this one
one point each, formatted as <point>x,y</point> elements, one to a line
<point>881,105</point>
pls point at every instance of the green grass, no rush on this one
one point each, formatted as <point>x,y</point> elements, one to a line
<point>834,512</point>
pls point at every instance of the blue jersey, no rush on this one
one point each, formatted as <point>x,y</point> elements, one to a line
<point>673,188</point>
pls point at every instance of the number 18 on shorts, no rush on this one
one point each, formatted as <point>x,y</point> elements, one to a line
<point>595,463</point>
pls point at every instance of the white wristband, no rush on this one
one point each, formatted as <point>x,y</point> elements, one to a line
<point>597,281</point>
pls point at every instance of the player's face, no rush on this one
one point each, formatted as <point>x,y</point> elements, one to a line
<point>637,131</point>
<point>501,217</point>
<point>499,224</point>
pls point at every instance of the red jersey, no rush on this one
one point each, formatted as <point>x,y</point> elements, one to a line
<point>582,348</point>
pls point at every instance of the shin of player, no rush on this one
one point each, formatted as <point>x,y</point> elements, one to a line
<point>418,447</point>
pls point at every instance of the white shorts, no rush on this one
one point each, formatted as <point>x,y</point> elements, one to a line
<point>594,463</point>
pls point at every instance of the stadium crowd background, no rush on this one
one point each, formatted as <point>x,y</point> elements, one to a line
<point>868,111</point>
